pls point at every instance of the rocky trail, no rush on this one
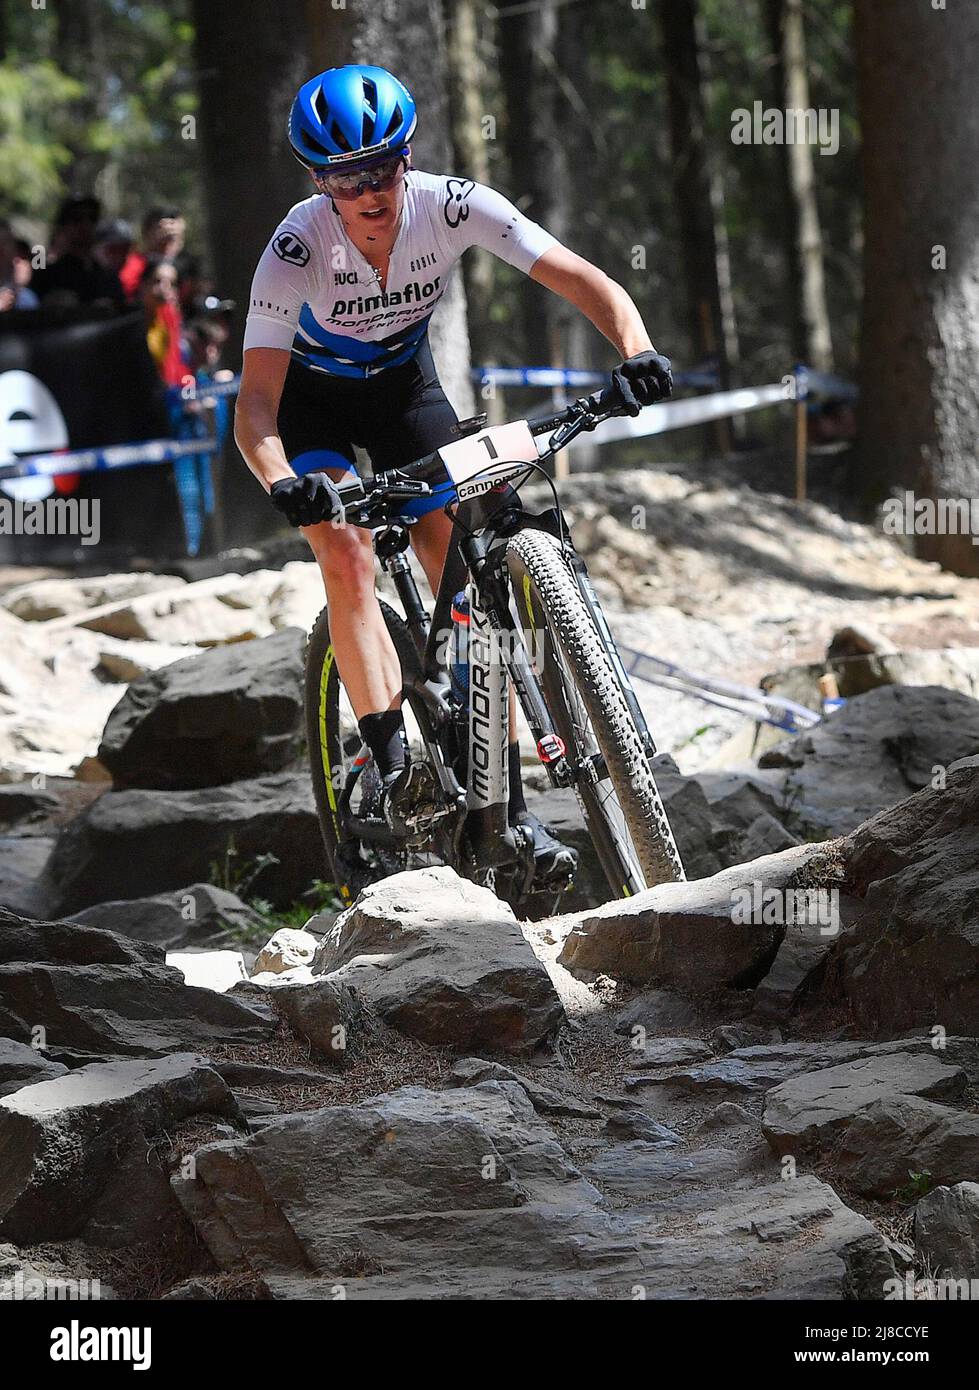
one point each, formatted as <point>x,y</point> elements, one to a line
<point>761,1083</point>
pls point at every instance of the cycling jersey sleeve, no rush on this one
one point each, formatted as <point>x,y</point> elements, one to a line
<point>482,217</point>
<point>281,286</point>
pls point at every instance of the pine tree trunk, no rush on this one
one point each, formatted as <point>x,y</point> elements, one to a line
<point>811,337</point>
<point>249,68</point>
<point>406,36</point>
<point>920,368</point>
<point>526,40</point>
<point>466,113</point>
<point>79,48</point>
<point>699,198</point>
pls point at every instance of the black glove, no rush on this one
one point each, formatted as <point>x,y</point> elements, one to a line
<point>643,380</point>
<point>307,500</point>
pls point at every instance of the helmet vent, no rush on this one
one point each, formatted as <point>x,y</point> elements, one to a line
<point>320,107</point>
<point>393,123</point>
<point>337,134</point>
<point>315,147</point>
<point>370,111</point>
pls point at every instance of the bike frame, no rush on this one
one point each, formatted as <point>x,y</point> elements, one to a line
<point>474,561</point>
<point>488,513</point>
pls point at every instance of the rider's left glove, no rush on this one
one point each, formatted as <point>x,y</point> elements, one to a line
<point>308,500</point>
<point>642,380</point>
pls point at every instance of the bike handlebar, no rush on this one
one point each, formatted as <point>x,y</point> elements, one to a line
<point>411,480</point>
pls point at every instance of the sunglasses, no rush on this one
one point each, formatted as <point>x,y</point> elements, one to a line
<point>347,184</point>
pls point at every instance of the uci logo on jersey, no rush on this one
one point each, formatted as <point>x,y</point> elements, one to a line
<point>291,249</point>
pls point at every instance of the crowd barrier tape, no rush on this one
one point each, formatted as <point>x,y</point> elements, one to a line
<point>112,456</point>
<point>658,419</point>
<point>548,378</point>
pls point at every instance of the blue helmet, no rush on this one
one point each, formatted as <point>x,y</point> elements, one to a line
<point>348,114</point>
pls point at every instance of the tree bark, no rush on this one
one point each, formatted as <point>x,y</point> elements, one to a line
<point>406,36</point>
<point>699,197</point>
<point>467,110</point>
<point>526,39</point>
<point>249,68</point>
<point>811,337</point>
<point>920,349</point>
<point>79,50</point>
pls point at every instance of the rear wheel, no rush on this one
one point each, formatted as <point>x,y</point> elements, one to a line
<point>623,808</point>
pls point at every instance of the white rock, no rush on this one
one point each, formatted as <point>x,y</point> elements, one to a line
<point>217,970</point>
<point>287,948</point>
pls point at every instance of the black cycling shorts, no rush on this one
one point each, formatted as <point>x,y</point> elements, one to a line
<point>398,416</point>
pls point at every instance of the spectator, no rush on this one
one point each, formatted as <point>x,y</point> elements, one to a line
<point>73,275</point>
<point>113,244</point>
<point>14,293</point>
<point>23,267</point>
<point>163,232</point>
<point>205,343</point>
<point>158,295</point>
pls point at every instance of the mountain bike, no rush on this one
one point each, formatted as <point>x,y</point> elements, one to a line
<point>534,619</point>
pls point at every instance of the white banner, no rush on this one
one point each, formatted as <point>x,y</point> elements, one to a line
<point>698,410</point>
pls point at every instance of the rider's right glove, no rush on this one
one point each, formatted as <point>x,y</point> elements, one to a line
<point>307,500</point>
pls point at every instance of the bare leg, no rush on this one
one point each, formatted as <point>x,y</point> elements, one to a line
<point>366,658</point>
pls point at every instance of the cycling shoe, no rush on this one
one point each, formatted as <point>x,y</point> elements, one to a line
<point>554,862</point>
<point>411,802</point>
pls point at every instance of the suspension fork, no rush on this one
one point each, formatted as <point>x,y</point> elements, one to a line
<point>494,591</point>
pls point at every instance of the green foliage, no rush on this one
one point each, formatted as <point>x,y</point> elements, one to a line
<point>919,1186</point>
<point>95,97</point>
<point>34,131</point>
<point>237,874</point>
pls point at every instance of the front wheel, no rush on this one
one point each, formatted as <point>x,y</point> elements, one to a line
<point>613,780</point>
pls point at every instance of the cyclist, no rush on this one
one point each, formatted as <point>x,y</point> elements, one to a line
<point>336,354</point>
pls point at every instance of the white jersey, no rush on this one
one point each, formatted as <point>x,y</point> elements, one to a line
<point>314,292</point>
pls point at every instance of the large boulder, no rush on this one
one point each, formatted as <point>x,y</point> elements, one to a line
<point>443,960</point>
<point>40,600</point>
<point>946,1230</point>
<point>872,753</point>
<point>320,1009</point>
<point>205,613</point>
<point>21,1065</point>
<point>466,1193</point>
<point>911,957</point>
<point>198,915</point>
<point>218,716</point>
<point>132,843</point>
<point>694,935</point>
<point>901,1140</point>
<point>809,1111</point>
<point>92,993</point>
<point>81,1154</point>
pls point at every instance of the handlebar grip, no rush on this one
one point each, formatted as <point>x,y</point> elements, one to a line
<point>605,402</point>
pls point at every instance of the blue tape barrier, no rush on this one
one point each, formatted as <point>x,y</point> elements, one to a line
<point>112,456</point>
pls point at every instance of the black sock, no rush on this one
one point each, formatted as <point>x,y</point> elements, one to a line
<point>517,803</point>
<point>384,734</point>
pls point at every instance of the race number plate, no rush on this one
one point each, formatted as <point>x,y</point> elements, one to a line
<point>480,461</point>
